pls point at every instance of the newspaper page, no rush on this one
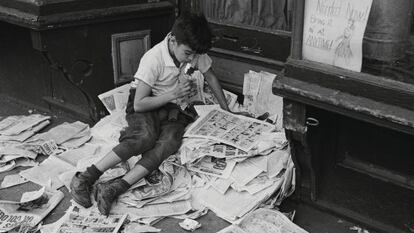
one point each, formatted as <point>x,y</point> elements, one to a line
<point>88,221</point>
<point>12,180</point>
<point>259,98</point>
<point>233,204</point>
<point>204,109</point>
<point>156,210</point>
<point>15,125</point>
<point>23,136</point>
<point>264,220</point>
<point>12,215</point>
<point>215,150</point>
<point>47,173</point>
<point>266,101</point>
<point>222,151</point>
<point>235,130</point>
<point>218,167</point>
<point>116,99</point>
<point>62,133</point>
<point>188,150</point>
<point>26,197</point>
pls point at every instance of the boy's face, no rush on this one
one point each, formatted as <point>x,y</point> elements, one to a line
<point>183,53</point>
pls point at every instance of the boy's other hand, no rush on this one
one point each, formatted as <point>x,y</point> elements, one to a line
<point>246,114</point>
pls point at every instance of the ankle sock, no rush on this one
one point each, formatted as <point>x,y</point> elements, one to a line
<point>94,172</point>
<point>125,185</point>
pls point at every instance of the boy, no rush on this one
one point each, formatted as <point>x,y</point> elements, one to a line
<point>155,122</point>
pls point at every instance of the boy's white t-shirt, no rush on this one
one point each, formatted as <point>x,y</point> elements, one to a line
<point>157,68</point>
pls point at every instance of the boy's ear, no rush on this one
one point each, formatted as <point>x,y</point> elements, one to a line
<point>173,39</point>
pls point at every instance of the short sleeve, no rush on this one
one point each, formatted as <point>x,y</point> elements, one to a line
<point>203,63</point>
<point>148,69</point>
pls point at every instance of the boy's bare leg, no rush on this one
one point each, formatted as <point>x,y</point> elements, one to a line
<point>135,174</point>
<point>108,161</point>
<point>111,159</point>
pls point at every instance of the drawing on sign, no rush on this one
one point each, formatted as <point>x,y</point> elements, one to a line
<point>333,31</point>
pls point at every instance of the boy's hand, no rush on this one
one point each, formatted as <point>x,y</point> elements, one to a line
<point>183,89</point>
<point>246,114</point>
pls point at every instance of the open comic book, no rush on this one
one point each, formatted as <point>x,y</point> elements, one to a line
<point>76,221</point>
<point>235,130</point>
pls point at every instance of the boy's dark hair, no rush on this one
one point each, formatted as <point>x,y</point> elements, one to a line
<point>192,29</point>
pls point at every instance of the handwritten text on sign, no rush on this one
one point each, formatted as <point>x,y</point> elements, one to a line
<point>333,31</point>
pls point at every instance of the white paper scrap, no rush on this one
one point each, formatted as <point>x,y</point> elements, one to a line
<point>12,180</point>
<point>189,224</point>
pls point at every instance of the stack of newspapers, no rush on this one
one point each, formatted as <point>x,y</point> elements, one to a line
<point>243,162</point>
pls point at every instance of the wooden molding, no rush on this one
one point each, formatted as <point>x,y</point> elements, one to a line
<point>127,50</point>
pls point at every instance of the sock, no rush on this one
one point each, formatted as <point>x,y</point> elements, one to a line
<point>94,172</point>
<point>124,185</point>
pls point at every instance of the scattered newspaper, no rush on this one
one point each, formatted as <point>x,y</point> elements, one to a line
<point>218,167</point>
<point>47,173</point>
<point>246,171</point>
<point>235,130</point>
<point>7,166</point>
<point>63,133</point>
<point>234,205</point>
<point>116,99</point>
<point>222,151</point>
<point>12,180</point>
<point>76,221</point>
<point>158,183</point>
<point>264,221</point>
<point>202,110</point>
<point>23,136</point>
<point>12,215</point>
<point>14,125</point>
<point>26,197</point>
<point>134,227</point>
<point>206,148</point>
<point>259,98</point>
<point>156,210</point>
<point>189,147</point>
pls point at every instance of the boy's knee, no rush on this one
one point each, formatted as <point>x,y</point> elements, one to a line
<point>149,138</point>
<point>174,139</point>
<point>172,145</point>
<point>146,141</point>
<point>139,142</point>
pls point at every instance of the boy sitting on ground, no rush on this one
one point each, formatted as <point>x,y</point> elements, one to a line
<point>155,122</point>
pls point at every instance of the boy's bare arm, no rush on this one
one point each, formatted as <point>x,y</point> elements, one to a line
<point>144,102</point>
<point>216,88</point>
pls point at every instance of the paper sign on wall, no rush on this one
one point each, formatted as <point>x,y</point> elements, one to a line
<point>333,31</point>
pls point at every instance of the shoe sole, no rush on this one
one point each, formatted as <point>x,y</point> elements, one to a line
<point>95,194</point>
<point>87,205</point>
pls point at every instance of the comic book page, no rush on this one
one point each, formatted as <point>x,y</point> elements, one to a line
<point>88,221</point>
<point>235,130</point>
<point>217,167</point>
